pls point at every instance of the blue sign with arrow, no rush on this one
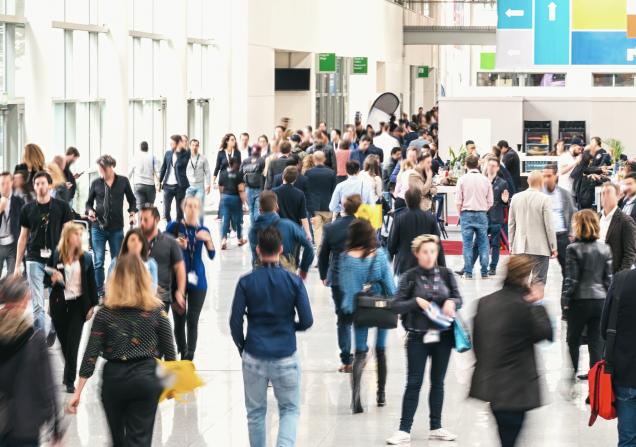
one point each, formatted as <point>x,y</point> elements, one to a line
<point>552,32</point>
<point>514,14</point>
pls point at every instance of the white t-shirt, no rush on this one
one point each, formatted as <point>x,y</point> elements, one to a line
<point>565,181</point>
<point>172,177</point>
<point>386,142</point>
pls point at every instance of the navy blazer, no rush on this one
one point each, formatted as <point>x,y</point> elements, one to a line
<point>334,239</point>
<point>181,166</point>
<point>321,181</point>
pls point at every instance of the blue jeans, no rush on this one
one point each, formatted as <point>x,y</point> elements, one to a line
<point>344,325</point>
<point>284,374</point>
<point>35,277</point>
<point>626,412</point>
<point>99,238</point>
<point>475,224</point>
<point>232,211</point>
<point>417,353</point>
<point>198,191</point>
<point>253,203</point>
<point>494,235</point>
<point>362,334</point>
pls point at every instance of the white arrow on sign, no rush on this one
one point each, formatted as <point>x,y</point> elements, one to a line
<point>631,54</point>
<point>515,12</point>
<point>552,7</point>
<point>514,52</point>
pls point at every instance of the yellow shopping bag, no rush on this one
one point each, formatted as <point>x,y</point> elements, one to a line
<point>372,213</point>
<point>178,377</point>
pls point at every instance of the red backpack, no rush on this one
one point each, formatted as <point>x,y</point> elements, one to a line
<point>600,381</point>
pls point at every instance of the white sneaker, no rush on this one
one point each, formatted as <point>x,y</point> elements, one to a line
<point>399,437</point>
<point>442,434</point>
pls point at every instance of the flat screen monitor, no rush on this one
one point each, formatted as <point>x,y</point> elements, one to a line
<point>292,79</point>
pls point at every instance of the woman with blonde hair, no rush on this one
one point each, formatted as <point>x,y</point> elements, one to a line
<point>58,188</point>
<point>588,274</point>
<point>73,295</point>
<point>308,163</point>
<point>130,332</point>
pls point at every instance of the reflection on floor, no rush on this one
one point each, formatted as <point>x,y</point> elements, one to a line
<point>215,415</point>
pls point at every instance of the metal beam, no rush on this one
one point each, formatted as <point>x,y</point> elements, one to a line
<point>79,27</point>
<point>449,35</point>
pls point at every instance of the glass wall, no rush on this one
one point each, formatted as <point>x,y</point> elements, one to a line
<point>614,79</point>
<point>332,95</point>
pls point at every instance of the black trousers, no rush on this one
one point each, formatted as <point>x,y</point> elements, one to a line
<point>509,424</point>
<point>130,395</point>
<point>562,244</point>
<point>584,313</point>
<point>68,320</point>
<point>145,194</point>
<point>194,304</point>
<point>171,192</point>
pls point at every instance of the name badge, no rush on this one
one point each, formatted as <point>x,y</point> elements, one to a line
<point>431,337</point>
<point>193,278</point>
<point>60,266</point>
<point>45,253</point>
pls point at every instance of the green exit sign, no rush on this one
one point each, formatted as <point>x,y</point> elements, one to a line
<point>422,72</point>
<point>327,62</point>
<point>360,65</point>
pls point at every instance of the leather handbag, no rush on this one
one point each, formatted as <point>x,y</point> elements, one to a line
<point>374,310</point>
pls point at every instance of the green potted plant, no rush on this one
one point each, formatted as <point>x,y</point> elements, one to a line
<point>616,149</point>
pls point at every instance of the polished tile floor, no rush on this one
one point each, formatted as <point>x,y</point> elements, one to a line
<point>215,414</point>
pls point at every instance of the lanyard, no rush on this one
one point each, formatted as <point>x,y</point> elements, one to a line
<point>192,244</point>
<point>194,166</point>
<point>152,243</point>
<point>45,221</point>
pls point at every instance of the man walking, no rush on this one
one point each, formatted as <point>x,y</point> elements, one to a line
<point>271,299</point>
<point>10,207</point>
<point>71,156</point>
<point>173,178</point>
<point>104,207</point>
<point>321,182</point>
<point>41,221</point>
<point>143,174</point>
<point>531,227</point>
<point>252,172</point>
<point>474,197</point>
<point>617,230</point>
<point>292,204</point>
<point>562,205</point>
<point>199,175</point>
<point>353,185</point>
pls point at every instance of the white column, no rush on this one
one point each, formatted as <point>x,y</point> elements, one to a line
<point>176,80</point>
<point>113,86</point>
<point>40,59</point>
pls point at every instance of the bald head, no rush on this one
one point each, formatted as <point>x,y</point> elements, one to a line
<point>535,180</point>
<point>319,157</point>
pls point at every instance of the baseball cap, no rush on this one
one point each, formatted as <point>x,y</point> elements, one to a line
<point>577,141</point>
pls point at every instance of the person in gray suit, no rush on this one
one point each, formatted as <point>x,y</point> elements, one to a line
<point>531,227</point>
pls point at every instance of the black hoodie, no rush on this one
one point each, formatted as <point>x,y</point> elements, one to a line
<point>26,378</point>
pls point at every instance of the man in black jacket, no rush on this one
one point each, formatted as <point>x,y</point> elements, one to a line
<point>512,163</point>
<point>278,165</point>
<point>333,244</point>
<point>321,181</point>
<point>291,200</point>
<point>406,227</point>
<point>10,207</point>
<point>617,230</point>
<point>173,178</point>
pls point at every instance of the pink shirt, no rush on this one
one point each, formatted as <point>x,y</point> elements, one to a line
<point>474,192</point>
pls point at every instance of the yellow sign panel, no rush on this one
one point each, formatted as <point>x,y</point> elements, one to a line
<point>605,15</point>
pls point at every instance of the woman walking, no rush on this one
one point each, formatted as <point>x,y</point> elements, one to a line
<point>32,163</point>
<point>372,176</point>
<point>130,332</point>
<point>363,262</point>
<point>424,288</point>
<point>233,200</point>
<point>588,274</point>
<point>192,237</point>
<point>136,244</point>
<point>227,152</point>
<point>507,325</point>
<point>73,296</point>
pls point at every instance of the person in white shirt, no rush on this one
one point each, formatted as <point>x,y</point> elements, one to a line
<point>372,177</point>
<point>566,163</point>
<point>10,207</point>
<point>143,174</point>
<point>386,142</point>
<point>199,175</point>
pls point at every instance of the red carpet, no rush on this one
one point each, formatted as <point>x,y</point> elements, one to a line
<point>456,248</point>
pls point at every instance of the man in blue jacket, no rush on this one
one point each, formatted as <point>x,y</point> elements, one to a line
<point>173,178</point>
<point>291,233</point>
<point>271,298</point>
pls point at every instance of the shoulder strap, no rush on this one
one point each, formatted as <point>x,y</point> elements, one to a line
<point>611,325</point>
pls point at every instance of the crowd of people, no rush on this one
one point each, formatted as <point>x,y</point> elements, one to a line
<point>302,190</point>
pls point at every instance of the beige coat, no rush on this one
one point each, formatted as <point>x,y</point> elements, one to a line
<point>530,225</point>
<point>426,188</point>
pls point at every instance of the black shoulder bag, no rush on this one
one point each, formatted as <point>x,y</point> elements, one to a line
<point>374,310</point>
